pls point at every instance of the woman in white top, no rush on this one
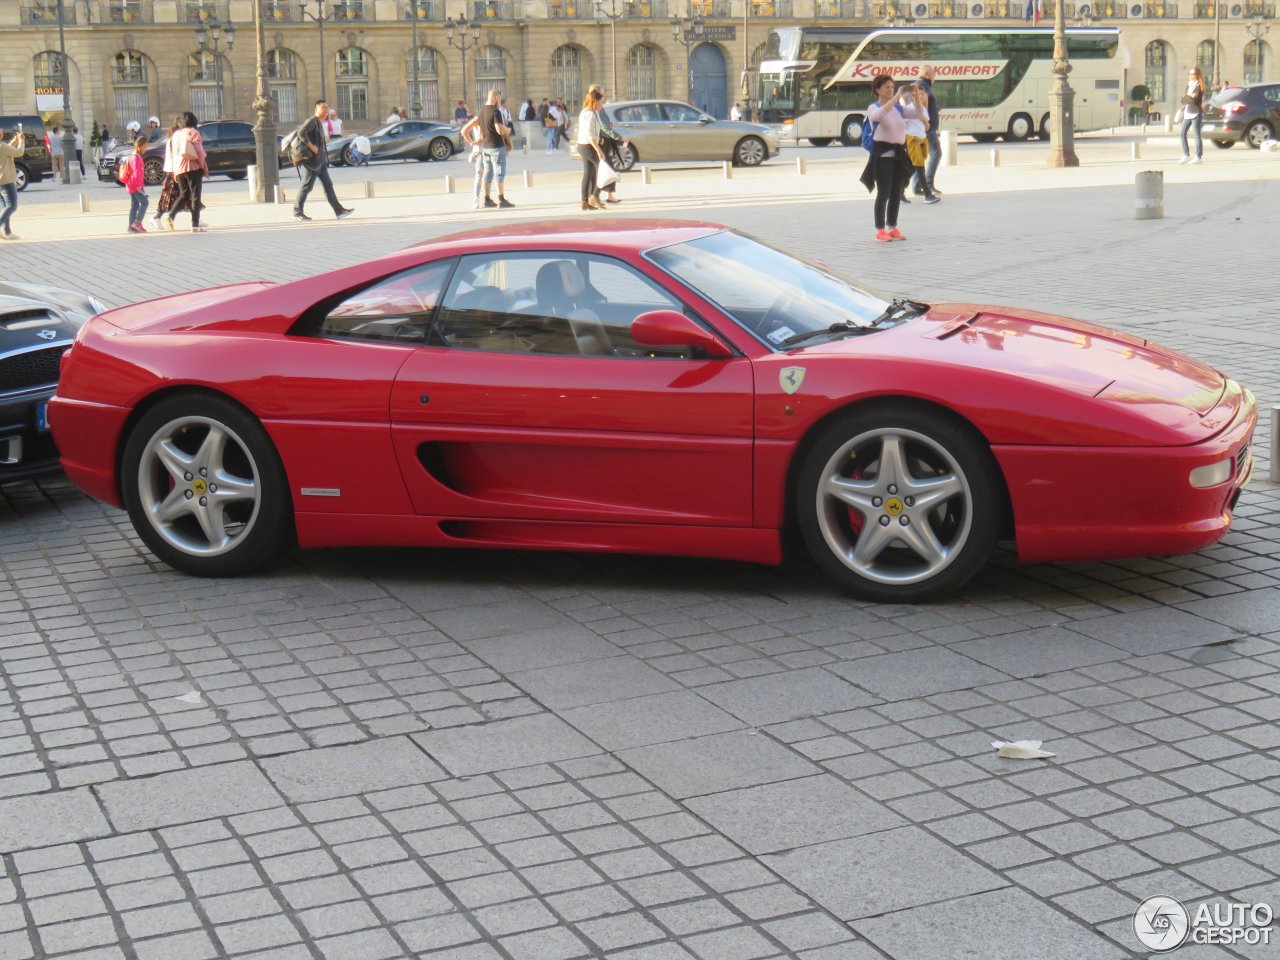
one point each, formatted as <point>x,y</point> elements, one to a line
<point>589,148</point>
<point>887,165</point>
<point>1193,113</point>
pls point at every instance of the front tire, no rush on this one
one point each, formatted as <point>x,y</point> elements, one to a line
<point>153,172</point>
<point>345,156</point>
<point>899,504</point>
<point>750,152</point>
<point>820,141</point>
<point>237,174</point>
<point>21,178</point>
<point>626,157</point>
<point>1224,144</point>
<point>1020,128</point>
<point>204,487</point>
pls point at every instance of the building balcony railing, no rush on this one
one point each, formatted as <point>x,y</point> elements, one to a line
<point>491,66</point>
<point>1108,10</point>
<point>771,9</point>
<point>571,10</point>
<point>133,73</point>
<point>422,9</point>
<point>1160,11</point>
<point>482,10</point>
<point>950,9</point>
<point>197,11</point>
<point>352,11</point>
<point>127,11</point>
<point>281,11</point>
<point>46,14</point>
<point>1267,10</point>
<point>647,10</point>
<point>710,9</point>
<point>840,9</point>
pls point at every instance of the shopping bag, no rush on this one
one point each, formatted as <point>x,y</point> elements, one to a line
<point>605,175</point>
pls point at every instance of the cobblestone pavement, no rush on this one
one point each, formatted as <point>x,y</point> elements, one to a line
<point>410,753</point>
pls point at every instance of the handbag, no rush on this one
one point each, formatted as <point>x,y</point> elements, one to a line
<point>189,150</point>
<point>550,122</point>
<point>605,175</point>
<point>1177,117</point>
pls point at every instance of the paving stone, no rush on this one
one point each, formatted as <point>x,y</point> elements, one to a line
<point>786,696</point>
<point>689,768</point>
<point>592,681</point>
<point>1144,632</point>
<point>881,872</point>
<point>504,744</point>
<point>642,721</point>
<point>184,796</point>
<point>915,673</point>
<point>1030,653</point>
<point>42,820</point>
<point>342,771</point>
<point>1253,611</point>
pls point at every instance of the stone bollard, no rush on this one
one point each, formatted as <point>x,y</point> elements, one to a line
<point>646,177</point>
<point>950,154</point>
<point>728,169</point>
<point>526,148</point>
<point>280,198</point>
<point>800,168</point>
<point>368,189</point>
<point>252,177</point>
<point>528,179</point>
<point>1149,202</point>
<point>1168,124</point>
<point>995,158</point>
<point>84,202</point>
<point>448,184</point>
<point>1135,152</point>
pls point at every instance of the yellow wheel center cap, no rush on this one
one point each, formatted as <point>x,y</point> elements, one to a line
<point>201,488</point>
<point>893,506</point>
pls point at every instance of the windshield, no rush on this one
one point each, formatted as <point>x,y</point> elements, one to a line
<point>770,293</point>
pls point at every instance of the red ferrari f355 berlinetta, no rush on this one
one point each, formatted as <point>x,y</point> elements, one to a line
<point>648,387</point>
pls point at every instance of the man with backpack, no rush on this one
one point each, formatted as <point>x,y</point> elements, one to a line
<point>308,149</point>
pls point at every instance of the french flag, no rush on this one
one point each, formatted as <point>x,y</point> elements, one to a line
<point>1033,11</point>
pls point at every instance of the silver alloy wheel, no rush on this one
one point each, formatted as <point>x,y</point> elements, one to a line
<point>1258,133</point>
<point>626,157</point>
<point>750,152</point>
<point>199,486</point>
<point>913,501</point>
<point>441,149</point>
<point>20,178</point>
<point>853,131</point>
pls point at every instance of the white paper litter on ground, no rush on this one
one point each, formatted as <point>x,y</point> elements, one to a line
<point>1021,750</point>
<point>194,697</point>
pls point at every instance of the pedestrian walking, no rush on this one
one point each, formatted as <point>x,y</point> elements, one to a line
<point>551,125</point>
<point>9,179</point>
<point>494,137</point>
<point>735,112</point>
<point>312,134</point>
<point>136,184</point>
<point>168,186</point>
<point>562,134</point>
<point>79,148</point>
<point>505,111</point>
<point>927,182</point>
<point>54,139</point>
<point>460,112</point>
<point>887,164</point>
<point>190,165</point>
<point>589,137</point>
<point>918,152</point>
<point>528,112</point>
<point>1193,114</point>
<point>610,142</point>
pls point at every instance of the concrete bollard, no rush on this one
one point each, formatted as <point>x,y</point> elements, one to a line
<point>84,202</point>
<point>252,177</point>
<point>800,167</point>
<point>1135,152</point>
<point>448,184</point>
<point>646,177</point>
<point>528,179</point>
<point>368,189</point>
<point>1168,124</point>
<point>1149,201</point>
<point>280,198</point>
<point>728,169</point>
<point>995,158</point>
<point>950,153</point>
<point>526,148</point>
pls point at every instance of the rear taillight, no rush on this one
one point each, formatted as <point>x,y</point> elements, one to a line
<point>1235,106</point>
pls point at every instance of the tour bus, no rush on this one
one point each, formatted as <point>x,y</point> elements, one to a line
<point>989,81</point>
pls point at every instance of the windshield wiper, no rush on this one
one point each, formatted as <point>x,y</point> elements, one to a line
<point>899,306</point>
<point>844,326</point>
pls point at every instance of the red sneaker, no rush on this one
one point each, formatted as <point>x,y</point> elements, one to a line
<point>139,228</point>
<point>896,234</point>
<point>883,236</point>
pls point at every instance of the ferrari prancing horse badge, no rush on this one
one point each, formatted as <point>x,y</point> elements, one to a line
<point>790,378</point>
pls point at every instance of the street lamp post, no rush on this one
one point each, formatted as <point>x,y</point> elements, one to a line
<point>1217,44</point>
<point>415,101</point>
<point>1258,28</point>
<point>613,16</point>
<point>68,137</point>
<point>210,38</point>
<point>1062,147</point>
<point>455,33</point>
<point>320,18</point>
<point>264,131</point>
<point>688,31</point>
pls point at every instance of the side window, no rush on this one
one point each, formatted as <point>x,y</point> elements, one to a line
<point>638,113</point>
<point>679,113</point>
<point>398,308</point>
<point>558,303</point>
<point>1271,94</point>
<point>396,130</point>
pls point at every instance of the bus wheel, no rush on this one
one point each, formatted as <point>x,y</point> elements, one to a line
<point>1020,127</point>
<point>985,137</point>
<point>851,131</point>
<point>821,141</point>
<point>1044,127</point>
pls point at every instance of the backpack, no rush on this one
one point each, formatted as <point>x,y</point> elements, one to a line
<point>869,130</point>
<point>295,147</point>
<point>122,169</point>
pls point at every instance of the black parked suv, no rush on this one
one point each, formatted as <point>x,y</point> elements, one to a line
<point>1251,114</point>
<point>35,164</point>
<point>229,144</point>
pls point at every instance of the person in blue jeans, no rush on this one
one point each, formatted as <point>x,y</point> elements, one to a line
<point>9,180</point>
<point>1193,114</point>
<point>931,136</point>
<point>493,135</point>
<point>135,181</point>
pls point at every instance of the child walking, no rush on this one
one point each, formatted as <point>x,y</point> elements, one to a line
<point>136,184</point>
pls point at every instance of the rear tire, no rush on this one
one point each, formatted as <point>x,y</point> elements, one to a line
<point>441,149</point>
<point>1044,128</point>
<point>821,141</point>
<point>851,130</point>
<point>347,159</point>
<point>1224,144</point>
<point>626,157</point>
<point>986,137</point>
<point>237,174</point>
<point>1020,128</point>
<point>1258,133</point>
<point>22,177</point>
<point>153,172</point>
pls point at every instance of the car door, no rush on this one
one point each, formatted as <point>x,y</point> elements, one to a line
<point>382,144</point>
<point>645,126</point>
<point>238,147</point>
<point>533,403</point>
<point>691,137</point>
<point>211,138</point>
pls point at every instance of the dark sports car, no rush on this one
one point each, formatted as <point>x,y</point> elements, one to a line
<point>406,140</point>
<point>37,325</point>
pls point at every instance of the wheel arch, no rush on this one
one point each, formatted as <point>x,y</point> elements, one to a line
<point>790,531</point>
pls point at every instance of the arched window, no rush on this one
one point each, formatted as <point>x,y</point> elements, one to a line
<point>48,68</point>
<point>129,85</point>
<point>1204,59</point>
<point>205,75</point>
<point>642,73</point>
<point>1157,58</point>
<point>424,101</point>
<point>491,72</point>
<point>1255,60</point>
<point>566,76</point>
<point>353,83</point>
<point>282,79</point>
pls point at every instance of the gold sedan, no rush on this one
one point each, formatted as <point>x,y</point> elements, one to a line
<point>662,130</point>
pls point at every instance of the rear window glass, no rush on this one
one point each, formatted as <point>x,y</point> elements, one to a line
<point>1227,95</point>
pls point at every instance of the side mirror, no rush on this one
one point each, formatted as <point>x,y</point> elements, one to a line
<point>667,328</point>
<point>704,119</point>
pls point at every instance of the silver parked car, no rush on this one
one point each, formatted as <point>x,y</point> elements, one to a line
<point>661,130</point>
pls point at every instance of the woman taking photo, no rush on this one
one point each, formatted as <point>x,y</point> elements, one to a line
<point>589,134</point>
<point>1193,113</point>
<point>887,164</point>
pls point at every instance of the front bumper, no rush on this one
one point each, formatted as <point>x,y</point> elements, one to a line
<point>27,449</point>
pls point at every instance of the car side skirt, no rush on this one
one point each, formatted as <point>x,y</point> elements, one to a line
<point>752,545</point>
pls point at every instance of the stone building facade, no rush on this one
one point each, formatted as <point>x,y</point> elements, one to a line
<point>130,59</point>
